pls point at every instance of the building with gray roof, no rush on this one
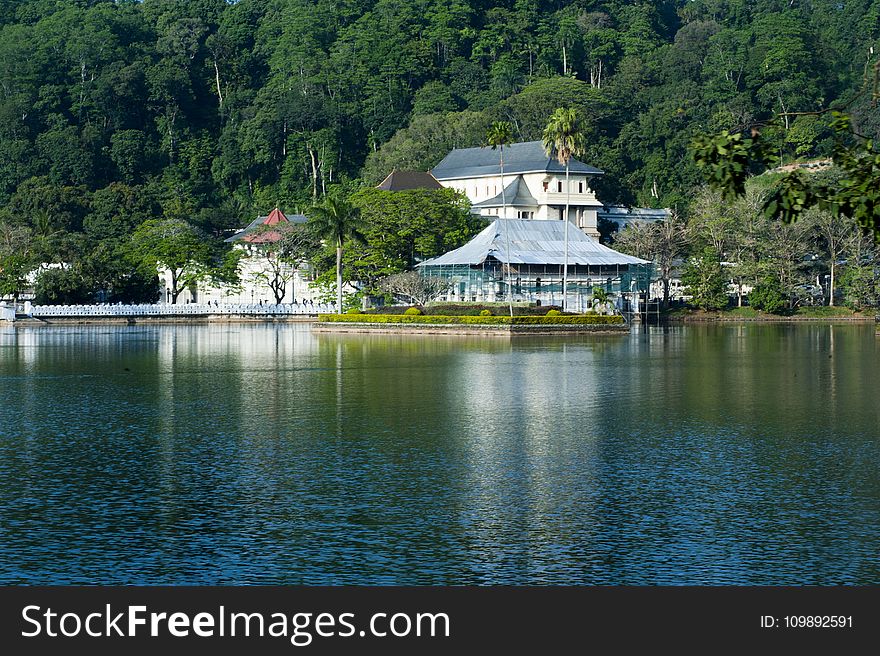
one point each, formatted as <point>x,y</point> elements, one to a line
<point>535,253</point>
<point>535,184</point>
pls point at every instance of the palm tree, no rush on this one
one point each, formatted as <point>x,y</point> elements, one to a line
<point>335,220</point>
<point>563,139</point>
<point>501,133</point>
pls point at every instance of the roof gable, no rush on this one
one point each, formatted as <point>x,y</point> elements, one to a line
<point>406,180</point>
<point>256,233</point>
<point>516,194</point>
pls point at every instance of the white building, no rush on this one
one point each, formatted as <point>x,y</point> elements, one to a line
<point>623,216</point>
<point>255,270</point>
<point>534,184</point>
<point>534,187</point>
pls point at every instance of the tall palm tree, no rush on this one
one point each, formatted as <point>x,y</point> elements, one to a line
<point>563,139</point>
<point>335,220</point>
<point>500,134</point>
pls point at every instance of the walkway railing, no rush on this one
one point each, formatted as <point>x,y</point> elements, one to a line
<point>189,309</point>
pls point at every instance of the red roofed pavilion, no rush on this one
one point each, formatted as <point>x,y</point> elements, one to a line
<point>258,233</point>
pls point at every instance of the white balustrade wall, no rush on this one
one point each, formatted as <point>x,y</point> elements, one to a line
<point>188,309</point>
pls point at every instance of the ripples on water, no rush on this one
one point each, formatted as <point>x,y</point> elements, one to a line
<point>263,454</point>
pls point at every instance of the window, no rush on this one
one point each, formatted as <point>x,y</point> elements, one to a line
<point>580,187</point>
<point>546,184</point>
<point>559,186</point>
<point>524,214</point>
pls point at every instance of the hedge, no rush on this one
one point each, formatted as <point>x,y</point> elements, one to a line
<point>580,319</point>
<point>467,309</point>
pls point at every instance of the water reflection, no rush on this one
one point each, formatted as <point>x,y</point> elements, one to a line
<point>264,454</point>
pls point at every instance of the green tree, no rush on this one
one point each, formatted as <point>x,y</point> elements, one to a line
<point>528,110</point>
<point>728,160</point>
<point>784,251</point>
<point>173,245</point>
<point>415,287</point>
<point>108,269</point>
<point>748,233</point>
<point>563,139</point>
<point>403,228</point>
<point>664,243</point>
<point>63,286</point>
<point>710,220</point>
<point>338,222</point>
<point>705,281</point>
<point>767,295</point>
<point>833,233</point>
<point>425,141</point>
<point>117,210</point>
<point>16,260</point>
<point>860,282</point>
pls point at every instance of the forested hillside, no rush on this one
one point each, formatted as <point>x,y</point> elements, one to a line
<point>211,111</point>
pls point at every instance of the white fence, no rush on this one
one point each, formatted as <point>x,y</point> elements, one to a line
<point>189,309</point>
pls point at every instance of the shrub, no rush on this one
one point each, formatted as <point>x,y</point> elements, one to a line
<point>353,311</point>
<point>467,319</point>
<point>60,286</point>
<point>600,295</point>
<point>705,280</point>
<point>767,296</point>
<point>413,312</point>
<point>553,313</point>
<point>474,309</point>
<point>485,313</point>
<point>859,287</point>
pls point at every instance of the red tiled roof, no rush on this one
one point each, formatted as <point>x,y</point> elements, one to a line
<point>256,232</point>
<point>275,217</point>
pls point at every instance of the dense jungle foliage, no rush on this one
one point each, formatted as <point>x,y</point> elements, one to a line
<point>209,112</point>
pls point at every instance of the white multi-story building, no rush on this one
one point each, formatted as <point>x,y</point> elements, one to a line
<point>534,184</point>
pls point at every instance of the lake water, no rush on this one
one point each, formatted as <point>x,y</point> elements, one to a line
<point>260,454</point>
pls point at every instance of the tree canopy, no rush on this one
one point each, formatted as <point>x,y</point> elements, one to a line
<point>209,112</point>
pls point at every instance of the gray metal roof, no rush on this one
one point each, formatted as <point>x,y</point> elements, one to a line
<point>516,194</point>
<point>533,242</point>
<point>525,157</point>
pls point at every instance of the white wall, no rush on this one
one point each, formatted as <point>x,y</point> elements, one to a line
<point>583,203</point>
<point>251,289</point>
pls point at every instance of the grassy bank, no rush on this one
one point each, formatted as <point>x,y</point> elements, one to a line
<point>815,313</point>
